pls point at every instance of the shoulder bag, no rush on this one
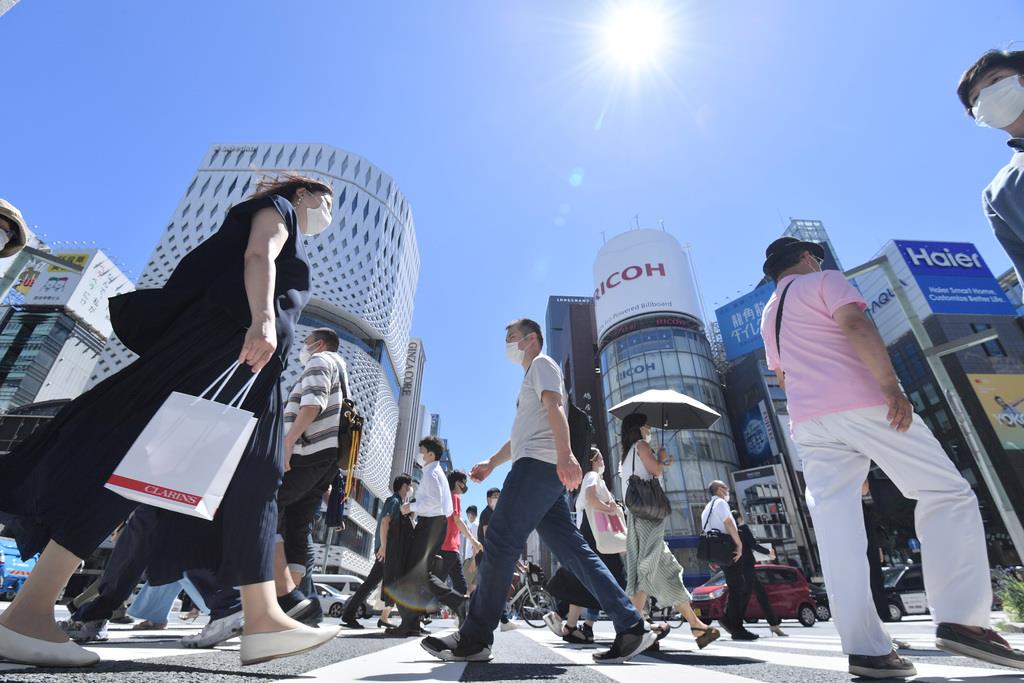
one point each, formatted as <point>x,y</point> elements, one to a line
<point>645,498</point>
<point>714,546</point>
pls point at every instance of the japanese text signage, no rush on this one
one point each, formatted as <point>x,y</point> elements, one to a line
<point>740,322</point>
<point>953,278</point>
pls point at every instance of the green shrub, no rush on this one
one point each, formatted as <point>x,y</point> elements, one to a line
<point>1012,595</point>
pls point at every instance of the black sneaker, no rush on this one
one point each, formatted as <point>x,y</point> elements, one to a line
<point>451,648</point>
<point>299,607</point>
<point>882,666</point>
<point>987,646</point>
<point>744,635</point>
<point>627,645</point>
<point>588,631</point>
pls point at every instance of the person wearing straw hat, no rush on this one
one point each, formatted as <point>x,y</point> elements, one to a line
<point>13,230</point>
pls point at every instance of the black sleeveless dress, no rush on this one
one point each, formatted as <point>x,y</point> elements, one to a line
<point>186,333</point>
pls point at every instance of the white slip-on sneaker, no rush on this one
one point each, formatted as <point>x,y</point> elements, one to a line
<point>263,647</point>
<point>15,647</point>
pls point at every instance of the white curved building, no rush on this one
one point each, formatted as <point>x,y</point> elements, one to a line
<point>365,268</point>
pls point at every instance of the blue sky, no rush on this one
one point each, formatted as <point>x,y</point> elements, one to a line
<point>515,144</point>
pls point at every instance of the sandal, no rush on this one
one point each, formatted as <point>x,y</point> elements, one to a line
<point>574,636</point>
<point>148,625</point>
<point>707,636</point>
<point>660,630</point>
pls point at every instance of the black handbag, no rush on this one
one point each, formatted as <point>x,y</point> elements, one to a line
<point>645,498</point>
<point>715,547</point>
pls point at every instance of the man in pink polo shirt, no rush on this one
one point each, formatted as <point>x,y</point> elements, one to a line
<point>847,408</point>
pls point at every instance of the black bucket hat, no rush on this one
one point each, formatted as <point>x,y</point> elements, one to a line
<point>787,245</point>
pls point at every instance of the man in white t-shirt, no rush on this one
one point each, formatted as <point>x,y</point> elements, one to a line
<point>534,497</point>
<point>718,516</point>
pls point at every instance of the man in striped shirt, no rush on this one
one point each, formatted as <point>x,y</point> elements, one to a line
<point>312,419</point>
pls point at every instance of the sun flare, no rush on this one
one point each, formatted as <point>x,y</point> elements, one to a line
<point>634,34</point>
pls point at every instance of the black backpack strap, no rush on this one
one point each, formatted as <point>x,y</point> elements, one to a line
<point>778,322</point>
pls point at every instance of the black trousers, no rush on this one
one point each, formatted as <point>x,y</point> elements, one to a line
<point>420,588</point>
<point>739,596</point>
<point>298,501</point>
<point>750,576</point>
<point>359,597</point>
<point>124,570</point>
<point>877,581</point>
<point>451,568</point>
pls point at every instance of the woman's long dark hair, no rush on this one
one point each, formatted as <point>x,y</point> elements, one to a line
<point>631,431</point>
<point>288,184</point>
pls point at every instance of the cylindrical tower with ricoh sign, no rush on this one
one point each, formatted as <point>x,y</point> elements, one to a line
<point>651,336</point>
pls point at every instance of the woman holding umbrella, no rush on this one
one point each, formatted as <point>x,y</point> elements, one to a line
<point>651,568</point>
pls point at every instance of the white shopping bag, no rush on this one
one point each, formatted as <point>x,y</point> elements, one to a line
<point>185,457</point>
<point>609,531</point>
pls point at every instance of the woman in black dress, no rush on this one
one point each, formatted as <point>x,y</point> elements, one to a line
<point>235,298</point>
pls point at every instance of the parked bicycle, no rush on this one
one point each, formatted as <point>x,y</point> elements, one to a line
<point>530,600</point>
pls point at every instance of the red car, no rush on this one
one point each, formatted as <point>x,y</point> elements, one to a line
<point>787,588</point>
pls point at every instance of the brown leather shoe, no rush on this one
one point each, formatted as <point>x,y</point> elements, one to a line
<point>986,645</point>
<point>882,666</point>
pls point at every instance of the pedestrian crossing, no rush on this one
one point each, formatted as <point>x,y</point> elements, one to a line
<point>812,654</point>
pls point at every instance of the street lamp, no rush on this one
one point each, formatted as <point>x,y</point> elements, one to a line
<point>933,355</point>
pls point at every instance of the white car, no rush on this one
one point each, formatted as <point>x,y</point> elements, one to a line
<point>333,601</point>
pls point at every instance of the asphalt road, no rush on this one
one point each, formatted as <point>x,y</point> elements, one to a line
<point>809,654</point>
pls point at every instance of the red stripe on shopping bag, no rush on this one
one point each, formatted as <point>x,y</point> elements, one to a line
<point>154,490</point>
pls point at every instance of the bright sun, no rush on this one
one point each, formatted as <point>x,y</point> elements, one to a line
<point>634,33</point>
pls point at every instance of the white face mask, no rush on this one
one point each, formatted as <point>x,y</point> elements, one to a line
<point>1000,104</point>
<point>514,353</point>
<point>4,239</point>
<point>420,460</point>
<point>727,498</point>
<point>318,218</point>
<point>305,355</point>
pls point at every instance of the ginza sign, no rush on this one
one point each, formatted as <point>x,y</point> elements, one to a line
<point>642,272</point>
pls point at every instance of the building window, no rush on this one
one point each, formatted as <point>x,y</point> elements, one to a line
<point>991,348</point>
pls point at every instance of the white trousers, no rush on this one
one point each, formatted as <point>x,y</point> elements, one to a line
<point>837,451</point>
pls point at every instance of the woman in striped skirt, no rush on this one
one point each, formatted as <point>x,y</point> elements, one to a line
<point>651,568</point>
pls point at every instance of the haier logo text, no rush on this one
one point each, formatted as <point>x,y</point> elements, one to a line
<point>946,259</point>
<point>943,259</point>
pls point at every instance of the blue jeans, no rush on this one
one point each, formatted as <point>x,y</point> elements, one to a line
<point>154,603</point>
<point>534,498</point>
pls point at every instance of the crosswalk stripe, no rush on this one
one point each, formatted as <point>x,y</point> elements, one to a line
<point>404,662</point>
<point>839,663</point>
<point>639,670</point>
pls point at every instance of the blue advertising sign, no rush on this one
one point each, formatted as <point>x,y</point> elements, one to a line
<point>954,278</point>
<point>755,438</point>
<point>740,322</point>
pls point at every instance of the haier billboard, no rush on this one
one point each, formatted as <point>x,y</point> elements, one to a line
<point>938,277</point>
